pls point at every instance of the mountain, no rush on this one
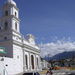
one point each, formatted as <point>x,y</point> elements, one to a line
<point>61,55</point>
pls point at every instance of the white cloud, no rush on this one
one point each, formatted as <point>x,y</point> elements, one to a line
<point>43,39</point>
<point>58,47</point>
<point>54,38</point>
<point>37,38</point>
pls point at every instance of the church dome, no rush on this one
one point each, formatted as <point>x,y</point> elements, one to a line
<point>9,2</point>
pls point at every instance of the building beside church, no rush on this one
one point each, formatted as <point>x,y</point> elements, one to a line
<point>45,64</point>
<point>22,55</point>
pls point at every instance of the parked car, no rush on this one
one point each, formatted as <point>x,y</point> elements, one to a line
<point>31,73</point>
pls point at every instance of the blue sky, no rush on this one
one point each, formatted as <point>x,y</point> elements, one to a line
<point>50,21</point>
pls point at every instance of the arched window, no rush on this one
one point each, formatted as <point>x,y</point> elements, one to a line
<point>6,13</point>
<point>5,38</point>
<point>15,26</point>
<point>15,13</point>
<point>6,25</point>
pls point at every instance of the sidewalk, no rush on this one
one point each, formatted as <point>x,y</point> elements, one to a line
<point>20,73</point>
<point>43,71</point>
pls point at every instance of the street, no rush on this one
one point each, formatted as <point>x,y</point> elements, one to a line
<point>61,72</point>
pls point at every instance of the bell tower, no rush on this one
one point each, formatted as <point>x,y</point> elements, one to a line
<point>10,30</point>
<point>10,18</point>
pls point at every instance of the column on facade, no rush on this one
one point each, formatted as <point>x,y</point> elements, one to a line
<point>39,61</point>
<point>29,61</point>
<point>35,63</point>
<point>24,64</point>
<point>11,24</point>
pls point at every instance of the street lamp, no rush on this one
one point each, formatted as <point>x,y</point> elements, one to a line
<point>48,56</point>
<point>45,57</point>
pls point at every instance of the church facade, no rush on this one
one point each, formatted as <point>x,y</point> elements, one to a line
<point>22,55</point>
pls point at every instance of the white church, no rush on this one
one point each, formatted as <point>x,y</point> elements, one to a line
<point>21,54</point>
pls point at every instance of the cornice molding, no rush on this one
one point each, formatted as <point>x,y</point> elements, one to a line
<point>5,31</point>
<point>10,5</point>
<point>17,43</point>
<point>15,17</point>
<point>9,31</point>
<point>9,16</point>
<point>4,42</point>
<point>31,51</point>
<point>25,46</point>
<point>31,48</point>
<point>16,32</point>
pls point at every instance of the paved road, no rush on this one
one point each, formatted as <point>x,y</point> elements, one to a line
<point>60,72</point>
<point>57,72</point>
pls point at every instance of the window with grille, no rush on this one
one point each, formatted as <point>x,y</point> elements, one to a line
<point>15,26</point>
<point>6,13</point>
<point>6,25</point>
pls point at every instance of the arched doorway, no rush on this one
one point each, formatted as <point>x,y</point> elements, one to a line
<point>26,62</point>
<point>32,61</point>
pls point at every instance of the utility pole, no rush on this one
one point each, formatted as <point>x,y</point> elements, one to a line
<point>48,56</point>
<point>48,60</point>
<point>45,57</point>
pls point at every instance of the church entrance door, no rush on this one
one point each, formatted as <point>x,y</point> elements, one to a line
<point>32,61</point>
<point>26,62</point>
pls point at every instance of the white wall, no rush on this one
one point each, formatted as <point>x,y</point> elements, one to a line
<point>13,12</point>
<point>15,64</point>
<point>1,66</point>
<point>13,24</point>
<point>18,58</point>
<point>9,69</point>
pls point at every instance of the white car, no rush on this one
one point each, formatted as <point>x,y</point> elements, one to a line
<point>31,73</point>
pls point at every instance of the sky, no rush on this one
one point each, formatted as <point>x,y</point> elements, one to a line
<point>52,22</point>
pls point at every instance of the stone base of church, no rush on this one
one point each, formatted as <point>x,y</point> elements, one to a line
<point>10,68</point>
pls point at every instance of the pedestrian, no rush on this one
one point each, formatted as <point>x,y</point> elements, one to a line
<point>47,71</point>
<point>51,70</point>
